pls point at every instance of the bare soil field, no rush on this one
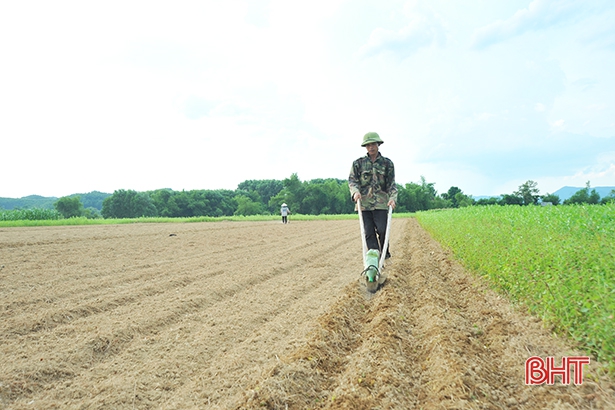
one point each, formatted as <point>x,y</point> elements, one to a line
<point>246,315</point>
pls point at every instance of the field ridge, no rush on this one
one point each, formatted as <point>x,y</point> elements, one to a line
<point>433,337</point>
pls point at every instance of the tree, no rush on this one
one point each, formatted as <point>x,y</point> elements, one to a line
<point>265,188</point>
<point>456,198</point>
<point>450,196</point>
<point>92,213</point>
<point>339,196</point>
<point>164,201</point>
<point>462,200</point>
<point>128,204</point>
<point>584,196</point>
<point>246,206</point>
<point>316,200</point>
<point>552,198</point>
<point>93,199</point>
<point>198,203</point>
<point>221,202</point>
<point>406,198</point>
<point>529,192</point>
<point>610,198</point>
<point>69,207</point>
<point>594,197</point>
<point>184,204</point>
<point>511,200</point>
<point>414,197</point>
<point>488,201</point>
<point>292,194</point>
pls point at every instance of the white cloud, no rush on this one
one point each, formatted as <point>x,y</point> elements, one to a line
<point>207,94</point>
<point>539,15</point>
<point>423,29</point>
<point>603,175</point>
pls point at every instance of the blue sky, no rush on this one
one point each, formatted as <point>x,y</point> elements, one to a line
<point>483,95</point>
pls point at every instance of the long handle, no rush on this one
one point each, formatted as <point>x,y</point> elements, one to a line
<point>386,239</point>
<point>362,230</point>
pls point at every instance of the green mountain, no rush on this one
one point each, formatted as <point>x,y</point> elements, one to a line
<point>92,199</point>
<point>95,199</point>
<point>567,191</point>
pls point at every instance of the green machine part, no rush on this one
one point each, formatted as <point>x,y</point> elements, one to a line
<point>371,265</point>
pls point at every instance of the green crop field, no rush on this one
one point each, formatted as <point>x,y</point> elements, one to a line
<point>35,214</point>
<point>559,261</point>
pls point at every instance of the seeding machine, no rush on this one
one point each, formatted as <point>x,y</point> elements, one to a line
<point>373,260</point>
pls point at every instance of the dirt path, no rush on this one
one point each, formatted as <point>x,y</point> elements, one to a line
<point>253,315</point>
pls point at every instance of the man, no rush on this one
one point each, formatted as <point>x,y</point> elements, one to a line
<point>372,180</point>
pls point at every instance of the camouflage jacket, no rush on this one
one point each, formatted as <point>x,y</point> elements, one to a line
<point>374,180</point>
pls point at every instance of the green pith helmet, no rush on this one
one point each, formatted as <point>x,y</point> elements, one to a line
<point>371,137</point>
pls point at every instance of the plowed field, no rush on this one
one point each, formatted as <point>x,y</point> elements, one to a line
<point>236,315</point>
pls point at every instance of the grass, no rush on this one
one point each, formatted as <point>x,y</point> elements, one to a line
<point>558,261</point>
<point>251,218</point>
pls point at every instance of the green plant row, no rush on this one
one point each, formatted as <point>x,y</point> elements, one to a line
<point>558,261</point>
<point>35,214</point>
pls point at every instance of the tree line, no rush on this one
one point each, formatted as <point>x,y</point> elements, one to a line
<point>529,194</point>
<point>314,197</point>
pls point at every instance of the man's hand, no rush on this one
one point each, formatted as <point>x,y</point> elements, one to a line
<point>391,204</point>
<point>357,195</point>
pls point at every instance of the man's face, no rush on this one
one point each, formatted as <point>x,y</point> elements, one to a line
<point>372,148</point>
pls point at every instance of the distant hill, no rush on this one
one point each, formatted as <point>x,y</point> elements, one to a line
<point>95,199</point>
<point>27,202</point>
<point>92,199</point>
<point>564,192</point>
<point>567,191</point>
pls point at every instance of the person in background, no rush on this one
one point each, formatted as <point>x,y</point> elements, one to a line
<point>285,212</point>
<point>372,180</point>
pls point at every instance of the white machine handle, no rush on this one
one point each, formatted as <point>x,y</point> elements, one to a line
<point>386,235</point>
<point>386,239</point>
<point>362,230</point>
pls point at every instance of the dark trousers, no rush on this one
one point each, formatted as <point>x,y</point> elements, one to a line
<point>375,223</point>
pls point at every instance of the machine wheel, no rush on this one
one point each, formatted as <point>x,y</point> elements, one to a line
<point>371,286</point>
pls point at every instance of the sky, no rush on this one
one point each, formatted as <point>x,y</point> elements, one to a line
<point>479,94</point>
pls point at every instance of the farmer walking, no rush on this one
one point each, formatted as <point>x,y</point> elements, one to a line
<point>285,212</point>
<point>372,180</point>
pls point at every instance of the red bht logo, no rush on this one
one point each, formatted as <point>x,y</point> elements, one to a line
<point>538,371</point>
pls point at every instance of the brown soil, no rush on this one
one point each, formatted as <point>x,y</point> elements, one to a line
<point>260,315</point>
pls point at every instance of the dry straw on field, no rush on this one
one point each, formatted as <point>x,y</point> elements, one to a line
<point>259,315</point>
